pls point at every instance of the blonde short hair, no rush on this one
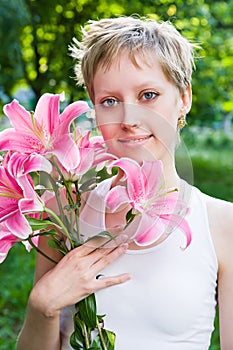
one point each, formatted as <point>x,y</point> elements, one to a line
<point>104,40</point>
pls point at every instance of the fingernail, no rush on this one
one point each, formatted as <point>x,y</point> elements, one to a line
<point>124,246</point>
<point>124,236</point>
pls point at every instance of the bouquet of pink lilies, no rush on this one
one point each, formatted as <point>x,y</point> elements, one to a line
<point>45,154</point>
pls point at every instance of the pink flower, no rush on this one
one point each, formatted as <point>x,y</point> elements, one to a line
<point>17,194</point>
<point>8,240</point>
<point>44,132</point>
<point>157,211</point>
<point>92,153</point>
<point>94,145</point>
<point>19,164</point>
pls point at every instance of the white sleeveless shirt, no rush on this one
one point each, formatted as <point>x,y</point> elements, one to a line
<point>169,303</point>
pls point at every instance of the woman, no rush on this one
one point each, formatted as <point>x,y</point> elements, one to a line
<point>138,76</point>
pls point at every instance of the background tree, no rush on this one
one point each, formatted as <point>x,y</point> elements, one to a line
<point>14,17</point>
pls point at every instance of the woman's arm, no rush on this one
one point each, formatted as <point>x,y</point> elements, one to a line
<point>57,286</point>
<point>37,324</point>
<point>221,221</point>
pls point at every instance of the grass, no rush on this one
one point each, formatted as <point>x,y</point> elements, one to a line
<point>206,165</point>
<point>16,275</point>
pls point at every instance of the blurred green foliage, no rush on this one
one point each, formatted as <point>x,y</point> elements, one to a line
<point>16,275</point>
<point>211,154</point>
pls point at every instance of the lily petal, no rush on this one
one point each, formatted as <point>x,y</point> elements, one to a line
<point>149,230</point>
<point>180,222</point>
<point>71,112</point>
<point>142,181</point>
<point>21,164</point>
<point>7,240</point>
<point>116,197</point>
<point>18,225</point>
<point>7,208</point>
<point>21,141</point>
<point>47,112</point>
<point>31,201</point>
<point>19,117</point>
<point>66,152</point>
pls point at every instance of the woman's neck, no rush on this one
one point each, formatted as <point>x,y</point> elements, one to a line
<point>171,176</point>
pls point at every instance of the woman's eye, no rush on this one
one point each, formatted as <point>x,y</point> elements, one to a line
<point>109,102</point>
<point>149,95</point>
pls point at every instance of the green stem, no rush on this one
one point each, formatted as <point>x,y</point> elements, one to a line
<point>59,221</point>
<point>71,226</point>
<point>57,194</point>
<point>86,336</point>
<point>40,251</point>
<point>68,187</point>
<point>78,204</point>
<point>77,225</point>
<point>101,334</point>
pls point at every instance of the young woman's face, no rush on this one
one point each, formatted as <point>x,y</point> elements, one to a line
<point>137,109</point>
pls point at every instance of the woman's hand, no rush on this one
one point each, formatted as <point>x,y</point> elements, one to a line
<point>74,277</point>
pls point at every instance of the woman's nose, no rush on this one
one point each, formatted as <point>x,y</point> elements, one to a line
<point>130,117</point>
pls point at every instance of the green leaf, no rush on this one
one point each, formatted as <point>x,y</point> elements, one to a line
<point>96,344</point>
<point>37,224</point>
<point>51,232</point>
<point>130,216</point>
<point>102,174</point>
<point>109,338</point>
<point>74,344</point>
<point>77,338</point>
<point>59,246</point>
<point>88,185</point>
<point>71,207</point>
<point>101,318</point>
<point>103,234</point>
<point>87,310</point>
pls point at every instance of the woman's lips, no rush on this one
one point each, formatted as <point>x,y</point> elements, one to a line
<point>133,140</point>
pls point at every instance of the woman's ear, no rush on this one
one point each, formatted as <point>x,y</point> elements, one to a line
<point>186,97</point>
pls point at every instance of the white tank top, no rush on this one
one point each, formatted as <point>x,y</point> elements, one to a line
<point>169,303</point>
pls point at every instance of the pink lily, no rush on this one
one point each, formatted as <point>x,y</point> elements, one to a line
<point>157,211</point>
<point>19,164</point>
<point>92,153</point>
<point>44,132</point>
<point>17,194</point>
<point>8,240</point>
<point>94,145</point>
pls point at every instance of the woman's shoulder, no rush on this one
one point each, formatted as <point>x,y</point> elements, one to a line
<point>220,212</point>
<point>220,215</point>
